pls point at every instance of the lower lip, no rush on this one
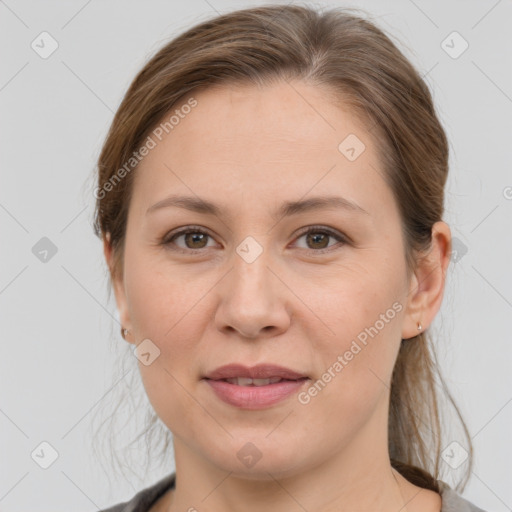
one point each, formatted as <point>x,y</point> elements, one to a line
<point>255,397</point>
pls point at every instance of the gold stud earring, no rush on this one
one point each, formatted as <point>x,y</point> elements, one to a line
<point>124,332</point>
<point>419,327</point>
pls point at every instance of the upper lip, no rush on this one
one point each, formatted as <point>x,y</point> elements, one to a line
<point>260,371</point>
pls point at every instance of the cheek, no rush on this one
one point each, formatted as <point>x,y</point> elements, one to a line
<point>360,302</point>
<point>162,299</point>
<point>166,306</point>
<point>356,377</point>
<point>163,310</point>
<point>167,310</point>
<point>364,311</point>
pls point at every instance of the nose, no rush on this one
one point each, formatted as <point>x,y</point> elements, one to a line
<point>253,300</point>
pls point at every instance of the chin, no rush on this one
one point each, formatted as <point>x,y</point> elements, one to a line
<point>259,457</point>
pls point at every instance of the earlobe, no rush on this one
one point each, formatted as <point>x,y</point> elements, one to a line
<point>427,283</point>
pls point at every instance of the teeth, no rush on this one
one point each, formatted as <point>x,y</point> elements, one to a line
<point>261,382</point>
<point>245,381</point>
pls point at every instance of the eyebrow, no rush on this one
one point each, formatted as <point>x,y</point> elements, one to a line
<point>288,208</point>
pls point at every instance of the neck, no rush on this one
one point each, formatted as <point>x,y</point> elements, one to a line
<point>352,480</point>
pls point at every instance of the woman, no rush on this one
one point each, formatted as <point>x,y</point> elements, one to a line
<point>270,198</point>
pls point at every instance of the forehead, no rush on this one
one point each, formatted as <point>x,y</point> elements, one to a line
<point>256,141</point>
<point>281,117</point>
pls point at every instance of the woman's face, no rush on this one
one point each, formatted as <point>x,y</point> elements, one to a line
<point>254,289</point>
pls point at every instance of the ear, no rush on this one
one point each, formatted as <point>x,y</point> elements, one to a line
<point>118,286</point>
<point>427,283</point>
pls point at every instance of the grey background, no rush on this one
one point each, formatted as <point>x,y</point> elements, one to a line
<point>61,348</point>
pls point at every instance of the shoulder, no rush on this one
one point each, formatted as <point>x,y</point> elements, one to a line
<point>144,499</point>
<point>454,502</point>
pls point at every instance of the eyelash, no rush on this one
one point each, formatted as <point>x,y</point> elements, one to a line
<point>168,239</point>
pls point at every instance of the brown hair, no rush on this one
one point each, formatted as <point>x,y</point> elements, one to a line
<point>359,66</point>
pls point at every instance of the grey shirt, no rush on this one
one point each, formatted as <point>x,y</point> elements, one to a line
<point>143,500</point>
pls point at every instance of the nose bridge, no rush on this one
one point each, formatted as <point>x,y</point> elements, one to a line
<point>251,278</point>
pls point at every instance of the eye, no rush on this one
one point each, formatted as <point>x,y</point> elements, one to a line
<point>193,238</point>
<point>318,238</point>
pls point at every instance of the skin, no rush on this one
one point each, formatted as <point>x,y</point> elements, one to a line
<point>248,149</point>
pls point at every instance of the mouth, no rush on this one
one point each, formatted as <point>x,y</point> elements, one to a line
<point>254,387</point>
<point>260,372</point>
<point>246,381</point>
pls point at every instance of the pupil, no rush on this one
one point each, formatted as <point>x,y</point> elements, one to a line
<point>314,238</point>
<point>195,238</point>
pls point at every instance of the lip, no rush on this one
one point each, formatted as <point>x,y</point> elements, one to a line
<point>254,397</point>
